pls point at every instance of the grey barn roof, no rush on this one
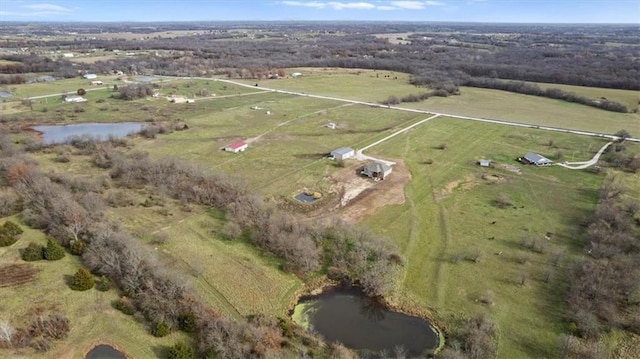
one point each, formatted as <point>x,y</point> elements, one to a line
<point>376,167</point>
<point>342,150</point>
<point>534,157</point>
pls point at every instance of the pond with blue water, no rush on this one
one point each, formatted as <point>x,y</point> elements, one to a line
<point>101,131</point>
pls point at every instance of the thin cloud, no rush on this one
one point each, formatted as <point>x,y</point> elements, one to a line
<point>38,10</point>
<point>351,5</point>
<point>47,8</point>
<point>313,4</point>
<point>411,5</point>
<point>386,6</point>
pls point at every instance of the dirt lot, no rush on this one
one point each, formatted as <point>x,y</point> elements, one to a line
<point>360,196</point>
<point>16,274</point>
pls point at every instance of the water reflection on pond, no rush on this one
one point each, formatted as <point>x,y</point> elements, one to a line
<point>362,324</point>
<point>101,131</point>
<point>104,352</point>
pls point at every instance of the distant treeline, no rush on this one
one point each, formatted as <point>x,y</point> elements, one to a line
<point>435,54</point>
<point>554,93</point>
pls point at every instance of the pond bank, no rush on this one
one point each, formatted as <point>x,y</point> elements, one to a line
<point>367,325</point>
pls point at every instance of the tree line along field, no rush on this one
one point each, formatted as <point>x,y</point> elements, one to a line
<point>474,102</point>
<point>444,225</point>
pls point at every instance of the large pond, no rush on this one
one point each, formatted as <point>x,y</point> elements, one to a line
<point>104,352</point>
<point>101,131</point>
<point>362,324</point>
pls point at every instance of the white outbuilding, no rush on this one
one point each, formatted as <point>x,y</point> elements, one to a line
<point>342,153</point>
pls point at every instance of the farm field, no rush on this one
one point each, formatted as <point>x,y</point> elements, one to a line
<point>501,105</point>
<point>290,143</point>
<point>448,219</point>
<point>473,102</point>
<point>494,240</point>
<point>628,98</point>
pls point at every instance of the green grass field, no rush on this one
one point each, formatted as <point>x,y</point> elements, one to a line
<point>373,86</point>
<point>628,98</point>
<point>448,213</point>
<point>534,110</point>
<point>291,141</point>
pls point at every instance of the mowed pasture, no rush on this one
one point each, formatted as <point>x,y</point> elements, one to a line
<point>464,254</point>
<point>450,217</point>
<point>507,106</point>
<point>376,86</point>
<point>93,319</point>
<point>286,146</point>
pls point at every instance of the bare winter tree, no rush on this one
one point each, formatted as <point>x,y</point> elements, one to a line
<point>6,331</point>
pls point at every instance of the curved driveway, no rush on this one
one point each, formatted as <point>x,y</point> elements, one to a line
<point>585,164</point>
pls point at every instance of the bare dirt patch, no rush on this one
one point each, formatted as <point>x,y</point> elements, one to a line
<point>463,184</point>
<point>489,177</point>
<point>506,167</point>
<point>360,196</point>
<point>16,274</point>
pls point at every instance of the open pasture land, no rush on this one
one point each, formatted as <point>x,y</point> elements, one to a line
<point>474,237</point>
<point>92,318</point>
<point>375,86</point>
<point>629,98</point>
<point>507,106</point>
<point>353,84</point>
<point>286,146</point>
<point>101,106</point>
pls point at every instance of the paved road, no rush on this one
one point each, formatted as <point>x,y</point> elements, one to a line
<point>67,93</point>
<point>585,164</point>
<point>480,119</point>
<point>361,157</point>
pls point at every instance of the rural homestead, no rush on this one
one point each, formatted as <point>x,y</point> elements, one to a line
<point>320,179</point>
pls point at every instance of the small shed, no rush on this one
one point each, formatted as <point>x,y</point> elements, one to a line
<point>96,83</point>
<point>376,170</point>
<point>484,163</point>
<point>342,153</point>
<point>236,147</point>
<point>536,159</point>
<point>296,74</point>
<point>75,99</point>
<point>180,99</point>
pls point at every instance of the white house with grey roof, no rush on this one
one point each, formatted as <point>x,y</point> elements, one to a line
<point>376,170</point>
<point>343,153</point>
<point>536,159</point>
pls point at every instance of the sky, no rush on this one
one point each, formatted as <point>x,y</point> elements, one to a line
<point>515,11</point>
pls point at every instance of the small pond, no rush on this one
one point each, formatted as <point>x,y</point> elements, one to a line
<point>144,78</point>
<point>5,94</point>
<point>101,131</point>
<point>305,198</point>
<point>362,324</point>
<point>104,352</point>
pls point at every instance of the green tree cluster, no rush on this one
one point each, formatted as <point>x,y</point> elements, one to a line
<point>9,233</point>
<point>53,251</point>
<point>82,280</point>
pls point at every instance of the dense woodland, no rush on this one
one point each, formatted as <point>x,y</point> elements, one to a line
<point>436,54</point>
